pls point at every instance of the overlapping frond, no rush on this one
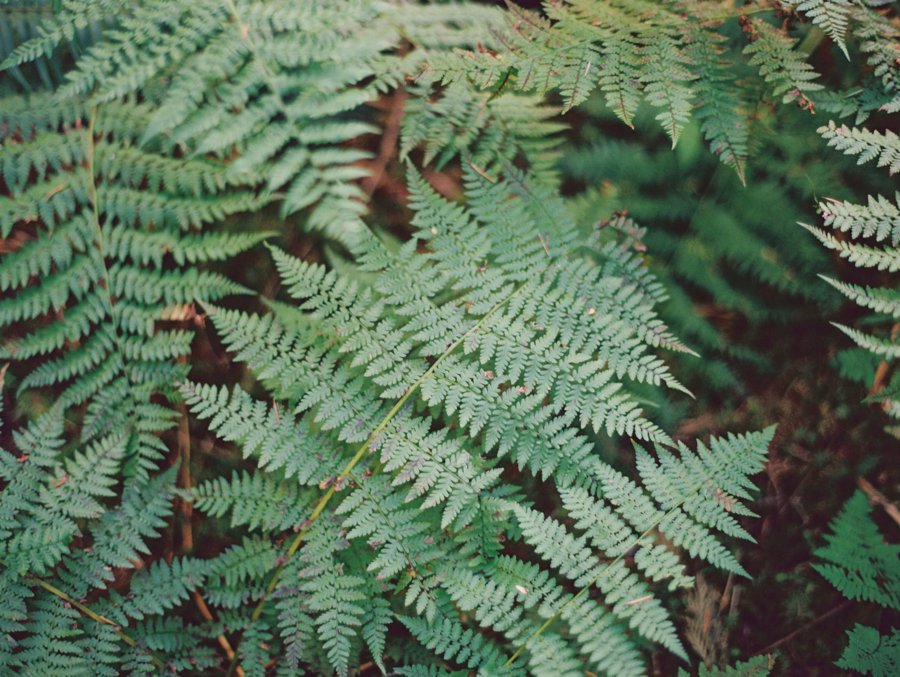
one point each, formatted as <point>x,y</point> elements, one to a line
<point>104,266</point>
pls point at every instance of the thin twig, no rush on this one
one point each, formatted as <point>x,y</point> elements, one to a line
<point>726,594</point>
<point>184,479</point>
<point>878,498</point>
<point>483,174</point>
<point>884,367</point>
<point>787,638</point>
<point>187,531</point>
<point>388,145</point>
<point>222,639</point>
<point>93,615</point>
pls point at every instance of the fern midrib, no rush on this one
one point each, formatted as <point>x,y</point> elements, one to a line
<point>90,145</point>
<point>366,446</point>
<point>95,210</point>
<point>93,615</point>
<point>379,508</point>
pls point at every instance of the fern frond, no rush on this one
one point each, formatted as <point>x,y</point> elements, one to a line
<point>884,147</point>
<point>667,85</point>
<point>255,500</point>
<point>869,652</point>
<point>878,40</point>
<point>681,513</point>
<point>336,599</point>
<point>258,428</point>
<point>621,588</point>
<point>157,588</point>
<point>887,348</point>
<point>779,64</point>
<point>530,372</point>
<point>403,392</point>
<point>832,16</point>
<point>880,300</point>
<point>87,296</point>
<point>479,128</point>
<point>722,121</point>
<point>450,640</point>
<point>856,559</point>
<point>859,255</point>
<point>273,81</point>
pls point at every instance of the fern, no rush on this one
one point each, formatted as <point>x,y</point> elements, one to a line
<point>387,331</point>
<point>718,109</point>
<point>755,667</point>
<point>868,145</point>
<point>88,296</point>
<point>671,56</point>
<point>754,272</point>
<point>109,244</point>
<point>278,132</point>
<point>788,75</point>
<point>93,262</point>
<point>873,236</point>
<point>856,560</point>
<point>871,653</point>
<point>38,35</point>
<point>862,566</point>
<point>831,16</point>
<point>420,469</point>
<point>878,37</point>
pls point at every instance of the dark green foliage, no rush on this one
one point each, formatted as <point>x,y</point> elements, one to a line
<point>755,667</point>
<point>856,560</point>
<point>677,57</point>
<point>708,238</point>
<point>870,653</point>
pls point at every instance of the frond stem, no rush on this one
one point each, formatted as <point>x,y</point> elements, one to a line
<point>93,615</point>
<point>366,446</point>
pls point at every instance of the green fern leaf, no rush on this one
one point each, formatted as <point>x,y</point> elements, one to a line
<point>869,652</point>
<point>856,560</point>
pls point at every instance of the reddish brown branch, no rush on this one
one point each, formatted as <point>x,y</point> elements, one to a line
<point>222,639</point>
<point>186,509</point>
<point>803,628</point>
<point>878,498</point>
<point>388,145</point>
<point>881,373</point>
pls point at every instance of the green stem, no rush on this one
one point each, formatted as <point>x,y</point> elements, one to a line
<point>93,615</point>
<point>373,436</point>
<point>95,211</point>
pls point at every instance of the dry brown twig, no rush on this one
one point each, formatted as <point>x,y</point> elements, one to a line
<point>187,532</point>
<point>388,144</point>
<point>877,498</point>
